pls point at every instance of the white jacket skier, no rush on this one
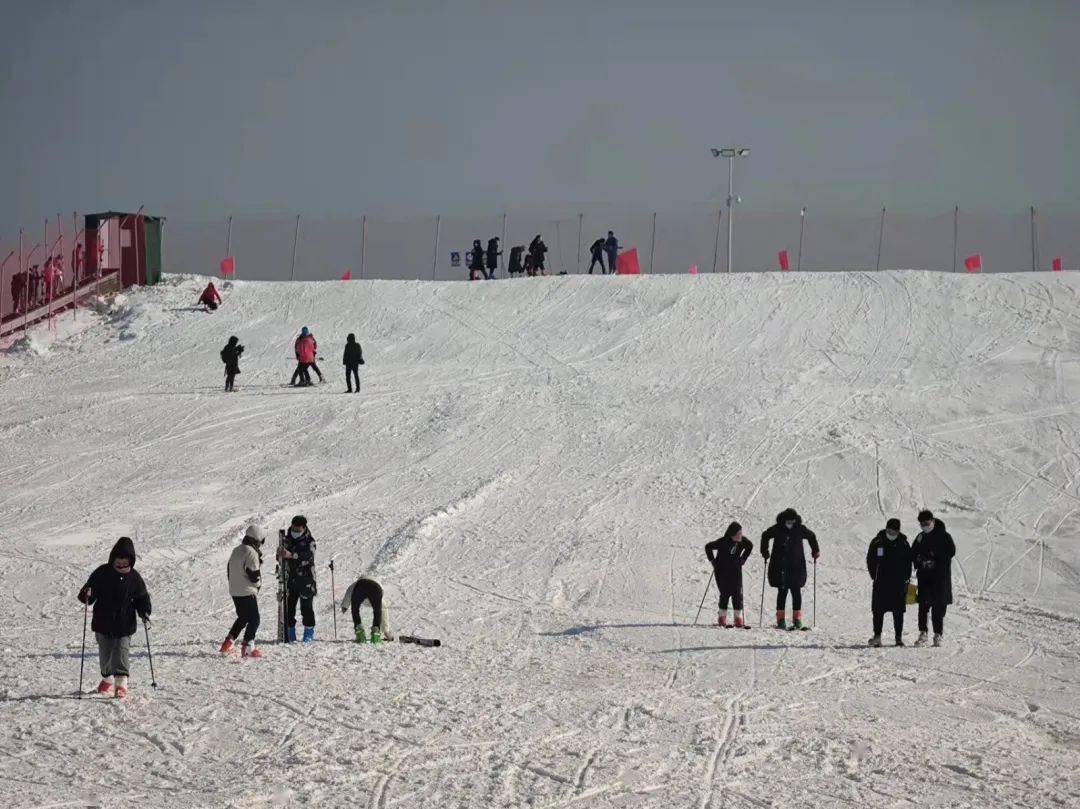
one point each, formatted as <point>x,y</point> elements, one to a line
<point>245,564</point>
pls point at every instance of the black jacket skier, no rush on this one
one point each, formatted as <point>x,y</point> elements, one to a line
<point>537,250</point>
<point>611,245</point>
<point>476,261</point>
<point>298,555</point>
<point>352,359</point>
<point>888,561</point>
<point>514,267</point>
<point>596,250</point>
<point>230,355</point>
<point>932,554</point>
<point>117,596</point>
<point>728,555</point>
<point>493,253</point>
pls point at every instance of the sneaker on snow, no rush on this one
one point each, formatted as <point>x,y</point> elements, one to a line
<point>921,640</point>
<point>250,650</point>
<point>376,635</point>
<point>290,634</point>
<point>121,687</point>
<point>360,636</point>
<point>937,640</point>
<point>226,647</point>
<point>105,686</point>
<point>875,641</point>
<point>309,634</point>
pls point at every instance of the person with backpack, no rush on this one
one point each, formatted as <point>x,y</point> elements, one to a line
<point>596,250</point>
<point>932,553</point>
<point>298,554</point>
<point>352,360</point>
<point>244,572</point>
<point>367,589</point>
<point>230,355</point>
<point>210,298</point>
<point>888,561</point>
<point>727,556</point>
<point>787,563</point>
<point>118,594</point>
<point>492,256</point>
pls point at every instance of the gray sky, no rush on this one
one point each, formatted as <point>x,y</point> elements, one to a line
<point>200,109</point>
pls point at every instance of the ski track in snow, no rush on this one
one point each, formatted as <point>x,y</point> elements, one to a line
<point>532,470</point>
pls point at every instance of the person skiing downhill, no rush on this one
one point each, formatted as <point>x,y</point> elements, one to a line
<point>117,593</point>
<point>230,355</point>
<point>596,250</point>
<point>305,349</point>
<point>728,555</point>
<point>787,563</point>
<point>298,554</point>
<point>932,553</point>
<point>367,589</point>
<point>888,561</point>
<point>210,297</point>
<point>352,359</point>
<point>244,572</point>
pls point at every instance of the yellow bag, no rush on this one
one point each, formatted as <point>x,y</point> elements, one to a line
<point>912,594</point>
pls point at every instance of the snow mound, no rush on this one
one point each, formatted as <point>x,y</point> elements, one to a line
<point>531,469</point>
<point>29,344</point>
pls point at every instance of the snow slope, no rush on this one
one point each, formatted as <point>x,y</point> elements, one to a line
<point>532,470</point>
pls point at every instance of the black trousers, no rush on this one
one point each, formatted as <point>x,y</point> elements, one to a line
<point>315,368</point>
<point>937,615</point>
<point>597,260</point>
<point>307,609</point>
<point>352,372</point>
<point>301,374</point>
<point>897,622</point>
<point>247,618</point>
<point>211,305</point>
<point>229,377</point>
<point>370,591</point>
<point>735,598</point>
<point>781,598</point>
<point>612,260</point>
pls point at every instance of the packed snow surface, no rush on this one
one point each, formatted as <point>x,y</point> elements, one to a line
<point>532,470</point>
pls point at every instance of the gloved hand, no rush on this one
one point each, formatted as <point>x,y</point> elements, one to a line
<point>146,622</point>
<point>816,554</point>
<point>765,555</point>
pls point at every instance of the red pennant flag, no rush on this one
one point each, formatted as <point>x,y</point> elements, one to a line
<point>1057,265</point>
<point>627,263</point>
<point>783,261</point>
<point>228,266</point>
<point>973,263</point>
<point>347,276</point>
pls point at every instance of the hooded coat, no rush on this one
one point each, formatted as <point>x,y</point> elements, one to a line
<point>306,347</point>
<point>354,355</point>
<point>210,294</point>
<point>230,355</point>
<point>787,561</point>
<point>116,597</point>
<point>728,557</point>
<point>932,554</point>
<point>514,265</point>
<point>244,569</point>
<point>493,254</point>
<point>888,561</point>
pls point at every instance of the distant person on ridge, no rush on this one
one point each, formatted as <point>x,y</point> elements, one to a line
<point>493,253</point>
<point>597,253</point>
<point>476,261</point>
<point>352,360</point>
<point>932,552</point>
<point>727,556</point>
<point>787,563</point>
<point>537,249</point>
<point>530,268</point>
<point>304,348</point>
<point>230,355</point>
<point>513,266</point>
<point>611,245</point>
<point>210,297</point>
<point>888,561</point>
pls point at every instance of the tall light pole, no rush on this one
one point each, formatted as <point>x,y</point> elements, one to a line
<point>731,152</point>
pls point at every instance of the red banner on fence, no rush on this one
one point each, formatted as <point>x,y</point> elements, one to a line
<point>973,263</point>
<point>1057,265</point>
<point>228,266</point>
<point>627,263</point>
<point>783,261</point>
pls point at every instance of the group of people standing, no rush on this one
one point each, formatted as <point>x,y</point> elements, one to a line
<point>890,561</point>
<point>306,349</point>
<point>483,263</point>
<point>38,284</point>
<point>602,247</point>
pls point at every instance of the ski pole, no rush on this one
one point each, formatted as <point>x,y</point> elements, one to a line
<point>761,612</point>
<point>82,652</point>
<point>333,598</point>
<point>813,622</point>
<point>706,595</point>
<point>146,629</point>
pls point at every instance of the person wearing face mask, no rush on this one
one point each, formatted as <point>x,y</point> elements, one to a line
<point>888,561</point>
<point>728,555</point>
<point>298,554</point>
<point>932,552</point>
<point>117,593</point>
<point>787,563</point>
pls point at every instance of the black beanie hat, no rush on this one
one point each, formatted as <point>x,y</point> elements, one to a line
<point>926,515</point>
<point>893,524</point>
<point>300,520</point>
